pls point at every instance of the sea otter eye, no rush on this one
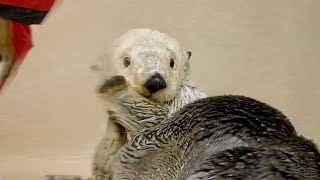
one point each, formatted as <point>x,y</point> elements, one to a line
<point>171,63</point>
<point>126,61</point>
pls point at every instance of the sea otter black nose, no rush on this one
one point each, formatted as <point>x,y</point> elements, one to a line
<point>155,83</point>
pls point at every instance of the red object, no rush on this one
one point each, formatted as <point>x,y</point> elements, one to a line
<point>39,5</point>
<point>21,14</point>
<point>22,40</point>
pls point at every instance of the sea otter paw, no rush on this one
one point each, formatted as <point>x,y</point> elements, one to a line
<point>114,84</point>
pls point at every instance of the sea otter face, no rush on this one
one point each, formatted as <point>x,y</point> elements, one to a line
<point>153,67</point>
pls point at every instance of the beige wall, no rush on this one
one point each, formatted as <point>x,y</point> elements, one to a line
<point>50,119</point>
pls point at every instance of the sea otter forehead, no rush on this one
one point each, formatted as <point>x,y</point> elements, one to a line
<point>147,37</point>
<point>157,51</point>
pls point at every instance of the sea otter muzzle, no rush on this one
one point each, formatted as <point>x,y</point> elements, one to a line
<point>155,83</point>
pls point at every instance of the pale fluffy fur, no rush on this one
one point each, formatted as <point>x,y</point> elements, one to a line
<point>150,52</point>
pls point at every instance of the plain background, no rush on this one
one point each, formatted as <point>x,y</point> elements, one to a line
<point>51,119</point>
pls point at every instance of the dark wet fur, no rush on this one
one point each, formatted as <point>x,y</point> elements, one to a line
<point>222,137</point>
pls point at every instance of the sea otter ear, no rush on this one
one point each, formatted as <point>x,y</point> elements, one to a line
<point>189,54</point>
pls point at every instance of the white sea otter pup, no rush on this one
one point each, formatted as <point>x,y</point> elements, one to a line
<point>156,68</point>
